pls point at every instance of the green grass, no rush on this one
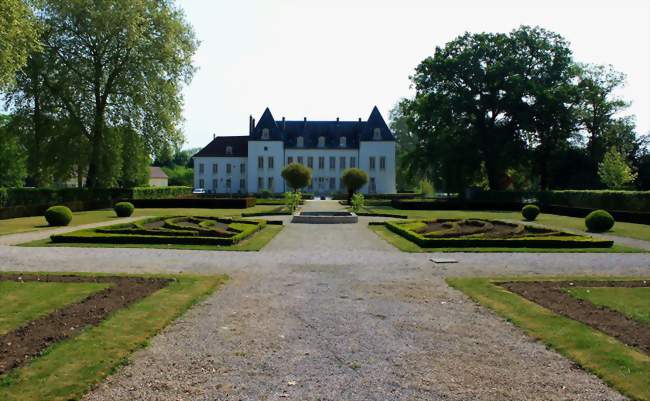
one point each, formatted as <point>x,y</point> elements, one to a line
<point>405,245</point>
<point>24,224</point>
<point>255,242</point>
<point>622,367</point>
<point>70,368</point>
<point>631,230</point>
<point>632,302</point>
<point>23,302</point>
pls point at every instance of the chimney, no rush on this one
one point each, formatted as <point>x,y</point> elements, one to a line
<point>214,136</point>
<point>305,119</point>
<point>337,119</point>
<point>284,124</point>
<point>359,119</point>
<point>251,124</point>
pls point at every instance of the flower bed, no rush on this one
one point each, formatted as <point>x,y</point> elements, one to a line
<point>180,230</point>
<point>464,233</point>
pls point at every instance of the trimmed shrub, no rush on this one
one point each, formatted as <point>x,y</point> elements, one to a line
<point>195,203</point>
<point>530,212</point>
<point>599,221</point>
<point>124,209</point>
<point>58,216</point>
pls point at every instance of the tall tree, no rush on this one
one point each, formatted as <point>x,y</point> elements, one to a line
<point>18,39</point>
<point>118,63</point>
<point>598,105</point>
<point>406,142</point>
<point>12,155</point>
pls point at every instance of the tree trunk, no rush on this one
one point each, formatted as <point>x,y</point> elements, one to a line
<point>35,162</point>
<point>95,162</point>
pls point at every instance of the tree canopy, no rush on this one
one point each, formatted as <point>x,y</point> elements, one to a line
<point>296,175</point>
<point>498,110</point>
<point>18,38</point>
<point>354,179</point>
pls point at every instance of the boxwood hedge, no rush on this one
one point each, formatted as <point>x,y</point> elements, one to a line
<point>566,240</point>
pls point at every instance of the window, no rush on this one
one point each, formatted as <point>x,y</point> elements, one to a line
<point>343,141</point>
<point>371,163</point>
<point>201,168</point>
<point>228,168</point>
<point>300,142</point>
<point>373,187</point>
<point>310,162</point>
<point>242,168</point>
<point>332,183</point>
<point>300,159</point>
<point>215,185</point>
<point>215,168</point>
<point>228,184</point>
<point>270,161</point>
<point>376,134</point>
<point>321,162</point>
<point>201,183</point>
<point>321,141</point>
<point>353,162</point>
<point>260,183</point>
<point>332,162</point>
<point>342,162</point>
<point>242,184</point>
<point>260,161</point>
<point>289,160</point>
<point>382,163</point>
<point>271,184</point>
<point>265,133</point>
<point>228,150</point>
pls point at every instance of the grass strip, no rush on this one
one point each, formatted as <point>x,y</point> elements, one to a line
<point>620,366</point>
<point>70,368</point>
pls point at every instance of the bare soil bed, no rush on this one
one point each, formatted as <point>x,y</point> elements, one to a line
<point>449,228</point>
<point>553,295</point>
<point>20,345</point>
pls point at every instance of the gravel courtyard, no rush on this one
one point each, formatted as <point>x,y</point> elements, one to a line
<point>332,312</point>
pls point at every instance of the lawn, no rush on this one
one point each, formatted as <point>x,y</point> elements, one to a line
<point>631,230</point>
<point>23,224</point>
<point>621,366</point>
<point>405,245</point>
<point>23,302</point>
<point>256,242</point>
<point>70,368</point>
<point>632,302</point>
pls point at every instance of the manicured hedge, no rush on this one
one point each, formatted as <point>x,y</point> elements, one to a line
<point>393,215</point>
<point>572,241</point>
<point>158,192</point>
<point>58,215</point>
<point>122,234</point>
<point>270,213</point>
<point>199,203</point>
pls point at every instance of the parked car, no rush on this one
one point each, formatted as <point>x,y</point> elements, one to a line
<point>198,191</point>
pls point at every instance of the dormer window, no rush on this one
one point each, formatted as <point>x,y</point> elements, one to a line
<point>321,141</point>
<point>376,134</point>
<point>300,142</point>
<point>228,150</point>
<point>265,133</point>
<point>343,141</point>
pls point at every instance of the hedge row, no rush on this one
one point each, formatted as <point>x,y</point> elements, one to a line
<point>100,236</point>
<point>393,215</point>
<point>572,241</point>
<point>157,192</point>
<point>634,201</point>
<point>197,203</point>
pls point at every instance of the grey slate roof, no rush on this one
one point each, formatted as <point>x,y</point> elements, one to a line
<point>289,131</point>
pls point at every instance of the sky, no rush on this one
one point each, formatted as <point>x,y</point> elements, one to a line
<point>337,58</point>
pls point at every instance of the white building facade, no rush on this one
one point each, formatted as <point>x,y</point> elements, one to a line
<point>253,163</point>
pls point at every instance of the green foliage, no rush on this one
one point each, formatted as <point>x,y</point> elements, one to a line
<point>357,202</point>
<point>426,188</point>
<point>158,192</point>
<point>292,200</point>
<point>296,175</point>
<point>124,209</point>
<point>58,216</point>
<point>266,194</point>
<point>599,221</point>
<point>354,179</point>
<point>614,170</point>
<point>530,212</point>
<point>12,157</point>
<point>179,175</point>
<point>18,38</point>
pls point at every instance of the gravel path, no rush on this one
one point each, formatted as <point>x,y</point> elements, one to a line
<point>332,312</point>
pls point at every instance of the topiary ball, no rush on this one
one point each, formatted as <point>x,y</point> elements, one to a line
<point>123,209</point>
<point>58,216</point>
<point>599,221</point>
<point>530,212</point>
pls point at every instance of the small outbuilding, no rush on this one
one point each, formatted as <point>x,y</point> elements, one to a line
<point>157,177</point>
